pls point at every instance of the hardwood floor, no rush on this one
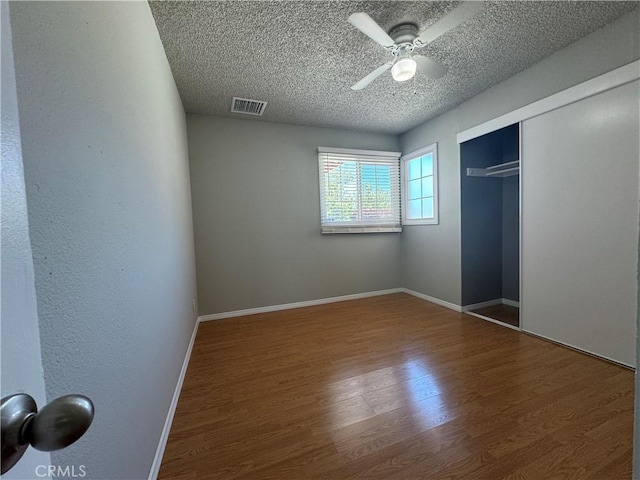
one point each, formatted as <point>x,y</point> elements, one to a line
<point>394,387</point>
<point>502,313</point>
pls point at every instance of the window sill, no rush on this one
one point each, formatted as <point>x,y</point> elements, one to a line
<point>332,230</point>
<point>410,223</point>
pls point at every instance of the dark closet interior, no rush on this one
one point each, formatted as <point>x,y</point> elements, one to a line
<point>490,222</point>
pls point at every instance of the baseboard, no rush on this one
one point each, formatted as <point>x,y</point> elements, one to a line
<point>437,301</point>
<point>491,303</point>
<point>510,303</point>
<point>157,461</point>
<point>477,306</point>
<point>288,306</point>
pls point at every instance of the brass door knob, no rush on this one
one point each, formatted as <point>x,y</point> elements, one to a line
<point>57,425</point>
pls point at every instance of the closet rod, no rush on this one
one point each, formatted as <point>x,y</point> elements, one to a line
<point>504,165</point>
<point>502,170</point>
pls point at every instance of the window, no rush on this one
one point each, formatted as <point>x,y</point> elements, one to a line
<point>359,190</point>
<point>420,186</point>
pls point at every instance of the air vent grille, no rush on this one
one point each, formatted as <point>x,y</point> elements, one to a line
<point>247,106</point>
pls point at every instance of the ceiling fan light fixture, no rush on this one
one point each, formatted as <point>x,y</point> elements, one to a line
<point>404,69</point>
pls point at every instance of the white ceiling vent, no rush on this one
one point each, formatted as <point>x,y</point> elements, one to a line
<point>247,106</point>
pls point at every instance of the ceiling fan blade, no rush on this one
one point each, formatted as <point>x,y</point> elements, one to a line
<point>430,68</point>
<point>370,28</point>
<point>372,76</point>
<point>458,15</point>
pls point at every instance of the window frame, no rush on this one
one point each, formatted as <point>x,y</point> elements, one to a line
<point>404,175</point>
<point>375,226</point>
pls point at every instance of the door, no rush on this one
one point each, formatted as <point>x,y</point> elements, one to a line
<point>21,360</point>
<point>580,224</point>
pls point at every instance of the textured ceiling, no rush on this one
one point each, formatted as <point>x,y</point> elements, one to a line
<point>302,56</point>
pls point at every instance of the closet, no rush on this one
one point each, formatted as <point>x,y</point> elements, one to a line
<point>549,217</point>
<point>490,225</point>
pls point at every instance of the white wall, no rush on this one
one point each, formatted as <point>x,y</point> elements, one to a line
<point>105,155</point>
<point>257,217</point>
<point>431,254</point>
<point>21,360</point>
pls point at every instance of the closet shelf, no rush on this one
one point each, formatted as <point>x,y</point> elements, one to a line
<point>499,171</point>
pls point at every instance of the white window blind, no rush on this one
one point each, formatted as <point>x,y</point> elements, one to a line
<point>359,190</point>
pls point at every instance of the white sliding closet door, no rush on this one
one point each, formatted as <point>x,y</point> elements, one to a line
<point>580,224</point>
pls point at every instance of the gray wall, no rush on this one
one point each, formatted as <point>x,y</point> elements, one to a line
<point>21,359</point>
<point>511,218</point>
<point>481,221</point>
<point>106,170</point>
<point>490,219</point>
<point>511,238</point>
<point>431,253</point>
<point>257,217</point>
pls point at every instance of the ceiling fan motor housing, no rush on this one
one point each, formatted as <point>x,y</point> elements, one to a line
<point>404,33</point>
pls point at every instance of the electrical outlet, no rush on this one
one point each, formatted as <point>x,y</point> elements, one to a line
<point>193,302</point>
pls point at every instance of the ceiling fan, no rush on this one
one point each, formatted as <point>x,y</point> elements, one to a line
<point>403,39</point>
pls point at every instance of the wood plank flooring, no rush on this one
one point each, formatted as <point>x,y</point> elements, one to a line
<point>503,313</point>
<point>394,387</point>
